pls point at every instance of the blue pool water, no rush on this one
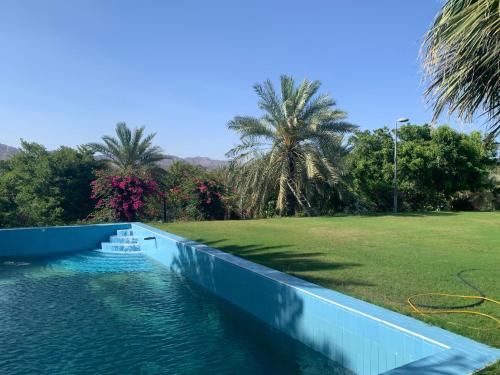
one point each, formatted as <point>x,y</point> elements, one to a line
<point>113,313</point>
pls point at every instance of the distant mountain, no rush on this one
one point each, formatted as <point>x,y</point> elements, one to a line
<point>7,151</point>
<point>197,160</point>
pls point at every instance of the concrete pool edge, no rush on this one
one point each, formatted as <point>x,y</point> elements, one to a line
<point>455,354</point>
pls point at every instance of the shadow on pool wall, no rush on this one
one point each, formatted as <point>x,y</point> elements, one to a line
<point>274,303</point>
<point>283,307</point>
<point>364,338</point>
<point>289,304</point>
<point>277,305</point>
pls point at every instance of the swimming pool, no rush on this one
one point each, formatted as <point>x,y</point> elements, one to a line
<point>267,309</point>
<point>119,313</point>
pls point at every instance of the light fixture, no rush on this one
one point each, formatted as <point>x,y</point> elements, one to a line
<point>395,182</point>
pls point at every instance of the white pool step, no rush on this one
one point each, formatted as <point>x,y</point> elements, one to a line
<point>123,242</point>
<point>118,246</point>
<point>106,261</point>
<point>123,239</point>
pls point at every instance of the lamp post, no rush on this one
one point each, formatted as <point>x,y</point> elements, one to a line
<point>395,182</point>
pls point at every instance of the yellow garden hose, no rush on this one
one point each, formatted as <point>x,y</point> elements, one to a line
<point>433,309</point>
<point>439,311</point>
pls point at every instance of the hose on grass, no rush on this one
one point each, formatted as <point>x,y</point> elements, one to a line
<point>456,309</point>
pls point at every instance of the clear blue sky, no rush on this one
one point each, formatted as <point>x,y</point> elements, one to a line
<point>70,70</point>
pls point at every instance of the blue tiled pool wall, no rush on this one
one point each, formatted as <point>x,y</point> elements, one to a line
<point>42,241</point>
<point>357,342</point>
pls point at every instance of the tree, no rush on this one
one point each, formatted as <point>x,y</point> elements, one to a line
<point>231,197</point>
<point>38,187</point>
<point>176,183</point>
<point>181,173</point>
<point>433,166</point>
<point>461,60</point>
<point>194,193</point>
<point>129,152</point>
<point>371,166</point>
<point>72,171</point>
<point>292,151</point>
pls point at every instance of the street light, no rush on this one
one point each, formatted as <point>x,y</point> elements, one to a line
<point>395,182</point>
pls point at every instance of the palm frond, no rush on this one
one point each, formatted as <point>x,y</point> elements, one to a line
<point>461,61</point>
<point>292,150</point>
<point>130,151</point>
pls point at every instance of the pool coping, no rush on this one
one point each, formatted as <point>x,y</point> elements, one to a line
<point>459,355</point>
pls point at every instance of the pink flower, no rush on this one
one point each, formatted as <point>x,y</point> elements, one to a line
<point>126,195</point>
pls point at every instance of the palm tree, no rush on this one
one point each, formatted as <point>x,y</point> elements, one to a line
<point>462,60</point>
<point>293,151</point>
<point>129,151</point>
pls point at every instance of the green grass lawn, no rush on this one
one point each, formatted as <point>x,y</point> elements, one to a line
<point>380,259</point>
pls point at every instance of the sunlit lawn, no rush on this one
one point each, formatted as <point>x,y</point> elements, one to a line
<point>381,259</point>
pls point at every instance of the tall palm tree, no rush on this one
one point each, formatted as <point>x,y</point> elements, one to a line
<point>462,60</point>
<point>292,151</point>
<point>129,151</point>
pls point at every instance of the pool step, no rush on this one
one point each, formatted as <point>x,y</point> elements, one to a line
<point>123,239</point>
<point>123,242</point>
<point>124,232</point>
<point>121,247</point>
<point>105,261</point>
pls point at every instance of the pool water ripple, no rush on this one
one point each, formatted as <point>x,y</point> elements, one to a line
<point>107,313</point>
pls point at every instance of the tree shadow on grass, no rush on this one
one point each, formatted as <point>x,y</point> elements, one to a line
<point>412,214</point>
<point>391,214</point>
<point>307,265</point>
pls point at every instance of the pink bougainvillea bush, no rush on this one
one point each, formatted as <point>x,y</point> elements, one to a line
<point>208,198</point>
<point>122,198</point>
<point>200,199</point>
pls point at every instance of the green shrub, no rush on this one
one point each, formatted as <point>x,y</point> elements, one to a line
<point>38,187</point>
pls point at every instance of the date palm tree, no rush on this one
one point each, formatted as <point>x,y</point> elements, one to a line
<point>462,60</point>
<point>293,151</point>
<point>130,150</point>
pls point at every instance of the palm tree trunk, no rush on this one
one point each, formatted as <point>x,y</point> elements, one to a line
<point>291,201</point>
